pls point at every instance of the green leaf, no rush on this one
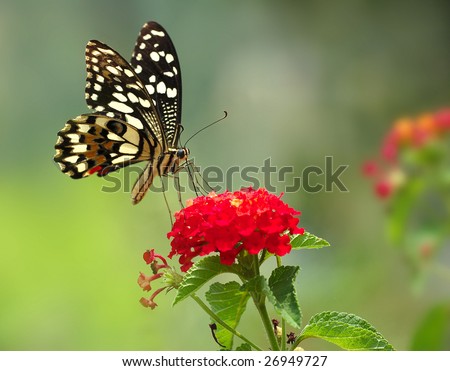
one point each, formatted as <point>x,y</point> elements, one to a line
<point>400,209</point>
<point>307,241</point>
<point>284,296</point>
<point>433,332</point>
<point>199,274</point>
<point>280,292</point>
<point>346,330</point>
<point>228,302</point>
<point>244,347</point>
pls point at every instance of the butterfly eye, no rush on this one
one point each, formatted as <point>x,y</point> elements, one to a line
<point>181,153</point>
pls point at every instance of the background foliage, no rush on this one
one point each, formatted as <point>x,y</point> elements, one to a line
<point>301,80</point>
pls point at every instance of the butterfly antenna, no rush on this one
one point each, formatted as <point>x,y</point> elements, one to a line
<point>207,126</point>
<point>178,188</point>
<point>166,201</point>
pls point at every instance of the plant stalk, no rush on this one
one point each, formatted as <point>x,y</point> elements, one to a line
<point>260,303</point>
<point>222,323</point>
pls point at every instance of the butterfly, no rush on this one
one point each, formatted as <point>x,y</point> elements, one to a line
<point>137,113</point>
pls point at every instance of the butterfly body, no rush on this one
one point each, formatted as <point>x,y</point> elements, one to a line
<point>137,113</point>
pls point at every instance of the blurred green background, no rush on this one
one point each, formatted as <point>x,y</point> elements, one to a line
<point>300,80</point>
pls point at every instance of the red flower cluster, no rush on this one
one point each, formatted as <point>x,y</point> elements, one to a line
<point>415,132</point>
<point>405,133</point>
<point>228,223</point>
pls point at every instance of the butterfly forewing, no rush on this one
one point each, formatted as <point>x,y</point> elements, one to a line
<point>112,86</point>
<point>156,63</point>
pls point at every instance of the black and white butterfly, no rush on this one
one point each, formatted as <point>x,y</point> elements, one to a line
<point>137,113</point>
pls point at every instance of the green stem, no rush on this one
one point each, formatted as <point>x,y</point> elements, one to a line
<point>283,321</point>
<point>260,303</point>
<point>297,342</point>
<point>261,306</point>
<point>222,323</point>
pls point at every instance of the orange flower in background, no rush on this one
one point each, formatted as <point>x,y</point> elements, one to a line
<point>408,132</point>
<point>405,133</point>
<point>403,130</point>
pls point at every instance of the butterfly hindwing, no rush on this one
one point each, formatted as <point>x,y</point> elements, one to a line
<point>99,144</point>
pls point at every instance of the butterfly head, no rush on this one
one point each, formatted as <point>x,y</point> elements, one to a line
<point>182,153</point>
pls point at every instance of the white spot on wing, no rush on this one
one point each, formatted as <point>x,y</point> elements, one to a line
<point>150,89</point>
<point>169,58</point>
<point>144,102</point>
<point>74,138</point>
<point>81,167</point>
<point>133,121</point>
<point>142,46</point>
<point>84,128</point>
<point>120,97</point>
<point>80,148</point>
<point>114,136</point>
<point>106,51</point>
<point>121,107</point>
<point>161,87</point>
<point>147,36</point>
<point>128,148</point>
<point>72,159</point>
<point>138,69</point>
<point>154,56</point>
<point>171,93</point>
<point>97,87</point>
<point>113,70</point>
<point>118,87</point>
<point>128,72</point>
<point>132,97</point>
<point>157,33</point>
<point>121,159</point>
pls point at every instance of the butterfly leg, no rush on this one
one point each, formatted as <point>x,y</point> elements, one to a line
<point>176,180</point>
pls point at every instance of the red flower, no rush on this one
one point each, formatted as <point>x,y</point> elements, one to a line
<point>389,149</point>
<point>249,219</point>
<point>442,119</point>
<point>370,169</point>
<point>383,189</point>
<point>158,270</point>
